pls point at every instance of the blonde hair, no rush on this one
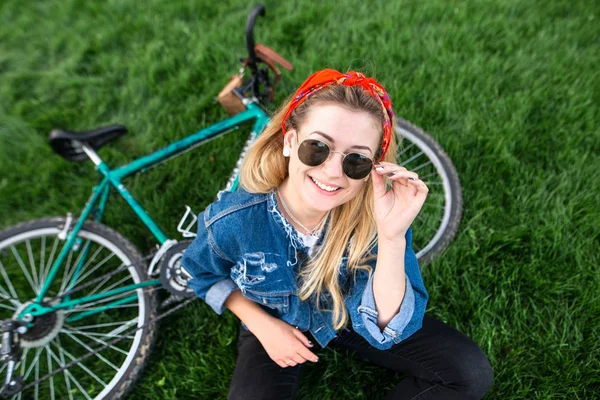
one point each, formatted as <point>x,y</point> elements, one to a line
<point>352,224</point>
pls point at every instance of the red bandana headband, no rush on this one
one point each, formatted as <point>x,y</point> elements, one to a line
<point>326,77</point>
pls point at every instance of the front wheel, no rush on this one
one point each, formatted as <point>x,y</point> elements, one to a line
<point>437,223</point>
<point>54,340</point>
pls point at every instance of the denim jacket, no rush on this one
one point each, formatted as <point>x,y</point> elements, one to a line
<point>244,243</point>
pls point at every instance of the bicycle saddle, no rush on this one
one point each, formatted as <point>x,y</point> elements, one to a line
<point>68,143</point>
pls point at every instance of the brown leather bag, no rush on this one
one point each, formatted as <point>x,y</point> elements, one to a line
<point>232,104</point>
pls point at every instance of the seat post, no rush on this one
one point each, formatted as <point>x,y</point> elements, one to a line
<point>91,154</point>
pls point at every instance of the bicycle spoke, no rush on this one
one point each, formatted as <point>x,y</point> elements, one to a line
<point>88,348</point>
<point>87,306</point>
<point>113,347</point>
<point>8,307</point>
<point>37,377</point>
<point>42,258</point>
<point>126,326</point>
<point>423,177</point>
<point>52,397</point>
<point>405,162</point>
<point>405,149</point>
<point>23,268</point>
<point>68,374</point>
<point>100,264</point>
<point>11,288</point>
<point>80,365</point>
<point>51,258</point>
<point>66,271</point>
<point>62,359</point>
<point>33,363</point>
<point>32,265</point>
<point>94,337</point>
<point>76,263</point>
<point>81,328</point>
<point>87,264</point>
<point>100,308</point>
<point>103,282</point>
<point>24,358</point>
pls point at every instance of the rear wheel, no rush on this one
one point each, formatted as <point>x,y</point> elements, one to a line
<point>437,223</point>
<point>27,252</point>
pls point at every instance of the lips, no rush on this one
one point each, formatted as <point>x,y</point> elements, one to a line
<point>324,186</point>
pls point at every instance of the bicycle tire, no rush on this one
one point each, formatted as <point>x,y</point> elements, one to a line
<point>30,237</point>
<point>431,237</point>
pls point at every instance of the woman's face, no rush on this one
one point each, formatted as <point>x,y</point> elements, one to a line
<point>324,187</point>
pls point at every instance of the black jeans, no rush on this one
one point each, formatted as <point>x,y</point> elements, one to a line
<point>438,362</point>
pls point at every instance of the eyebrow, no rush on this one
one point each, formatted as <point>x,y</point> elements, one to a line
<point>326,136</point>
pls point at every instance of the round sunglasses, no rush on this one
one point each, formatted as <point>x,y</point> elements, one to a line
<point>313,152</point>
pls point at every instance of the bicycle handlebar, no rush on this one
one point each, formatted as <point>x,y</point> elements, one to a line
<point>258,10</point>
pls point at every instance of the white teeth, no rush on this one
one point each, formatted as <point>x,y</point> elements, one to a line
<point>324,187</point>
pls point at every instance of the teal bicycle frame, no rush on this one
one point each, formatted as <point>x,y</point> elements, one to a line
<point>97,204</point>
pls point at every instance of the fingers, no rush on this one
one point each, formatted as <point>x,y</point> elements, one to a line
<point>302,338</point>
<point>393,171</point>
<point>379,189</point>
<point>302,354</point>
<point>401,175</point>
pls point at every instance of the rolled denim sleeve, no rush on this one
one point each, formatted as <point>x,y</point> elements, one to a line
<point>210,269</point>
<point>393,330</point>
<point>409,318</point>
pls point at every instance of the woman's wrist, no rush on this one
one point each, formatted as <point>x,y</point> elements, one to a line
<point>249,312</point>
<point>394,244</point>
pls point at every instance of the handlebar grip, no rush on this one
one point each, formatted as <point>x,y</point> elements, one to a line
<point>258,10</point>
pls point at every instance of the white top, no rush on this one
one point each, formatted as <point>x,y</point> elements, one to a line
<point>309,241</point>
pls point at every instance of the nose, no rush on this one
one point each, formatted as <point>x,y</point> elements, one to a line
<point>333,165</point>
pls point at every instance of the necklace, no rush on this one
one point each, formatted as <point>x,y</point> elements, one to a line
<point>310,232</point>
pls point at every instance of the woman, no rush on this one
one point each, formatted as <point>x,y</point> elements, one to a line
<point>317,245</point>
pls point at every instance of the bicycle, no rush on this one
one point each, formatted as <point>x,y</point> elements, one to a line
<point>79,302</point>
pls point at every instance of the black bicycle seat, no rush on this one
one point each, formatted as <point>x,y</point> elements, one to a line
<point>68,143</point>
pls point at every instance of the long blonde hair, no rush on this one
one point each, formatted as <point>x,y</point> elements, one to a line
<point>352,224</point>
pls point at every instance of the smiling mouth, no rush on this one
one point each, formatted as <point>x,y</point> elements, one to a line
<point>325,187</point>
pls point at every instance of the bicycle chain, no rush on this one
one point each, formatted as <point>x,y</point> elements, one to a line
<point>114,341</point>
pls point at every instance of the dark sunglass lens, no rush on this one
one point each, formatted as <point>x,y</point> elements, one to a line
<point>357,166</point>
<point>313,152</point>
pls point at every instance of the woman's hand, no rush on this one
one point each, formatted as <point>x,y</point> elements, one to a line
<point>285,344</point>
<point>395,209</point>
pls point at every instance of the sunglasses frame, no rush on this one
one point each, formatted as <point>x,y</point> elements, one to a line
<point>329,155</point>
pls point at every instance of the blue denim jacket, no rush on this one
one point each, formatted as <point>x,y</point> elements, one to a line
<point>245,243</point>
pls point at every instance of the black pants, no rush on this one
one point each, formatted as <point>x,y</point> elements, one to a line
<point>438,362</point>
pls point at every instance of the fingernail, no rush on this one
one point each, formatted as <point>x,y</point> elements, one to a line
<point>390,174</point>
<point>379,168</point>
<point>316,360</point>
<point>309,342</point>
<point>411,179</point>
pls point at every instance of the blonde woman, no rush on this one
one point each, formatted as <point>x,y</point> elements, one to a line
<point>316,246</point>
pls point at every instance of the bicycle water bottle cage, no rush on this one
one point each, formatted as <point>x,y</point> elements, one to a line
<point>68,143</point>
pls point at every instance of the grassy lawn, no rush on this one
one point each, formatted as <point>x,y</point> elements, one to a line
<point>510,90</point>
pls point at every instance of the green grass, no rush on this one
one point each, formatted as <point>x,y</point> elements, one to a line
<point>509,89</point>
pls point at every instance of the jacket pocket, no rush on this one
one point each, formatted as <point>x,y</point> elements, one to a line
<point>279,301</point>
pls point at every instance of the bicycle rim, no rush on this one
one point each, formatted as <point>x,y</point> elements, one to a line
<point>61,337</point>
<point>437,223</point>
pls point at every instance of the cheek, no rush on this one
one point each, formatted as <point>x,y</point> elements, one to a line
<point>354,187</point>
<point>296,169</point>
